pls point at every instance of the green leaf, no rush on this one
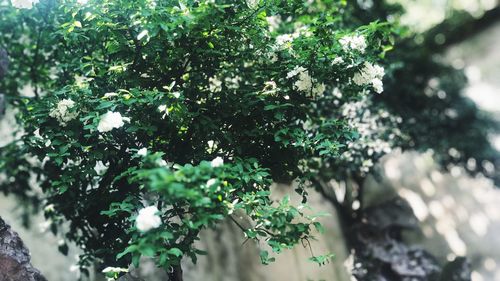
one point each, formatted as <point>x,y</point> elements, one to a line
<point>319,227</point>
<point>175,252</point>
<point>129,249</point>
<point>265,259</point>
<point>322,260</point>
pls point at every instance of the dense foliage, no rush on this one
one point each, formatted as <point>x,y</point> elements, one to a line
<point>144,122</point>
<point>193,107</point>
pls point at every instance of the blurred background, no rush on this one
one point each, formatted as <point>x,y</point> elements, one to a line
<point>457,214</point>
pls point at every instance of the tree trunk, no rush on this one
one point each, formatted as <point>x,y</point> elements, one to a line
<point>175,274</point>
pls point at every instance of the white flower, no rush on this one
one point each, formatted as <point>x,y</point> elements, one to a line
<point>233,83</point>
<point>230,206</point>
<point>162,163</point>
<point>272,56</point>
<point>162,108</point>
<point>212,146</point>
<point>142,152</point>
<point>319,89</point>
<point>337,93</point>
<point>110,269</point>
<point>378,86</point>
<point>253,4</point>
<point>215,84</point>
<point>110,95</point>
<point>82,2</point>
<point>217,162</point>
<point>365,4</point>
<point>353,42</point>
<point>142,34</point>
<point>270,85</point>
<point>110,120</point>
<point>370,74</point>
<point>284,40</point>
<point>23,4</point>
<point>211,182</point>
<point>113,272</point>
<point>63,113</point>
<point>100,168</point>
<point>337,60</point>
<point>304,83</point>
<point>295,71</point>
<point>274,22</point>
<point>148,219</point>
<point>36,133</point>
<point>49,208</point>
<point>366,165</point>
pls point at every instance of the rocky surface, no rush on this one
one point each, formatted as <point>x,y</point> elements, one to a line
<point>381,254</point>
<point>15,258</point>
<point>457,215</point>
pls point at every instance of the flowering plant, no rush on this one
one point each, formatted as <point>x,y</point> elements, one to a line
<point>150,121</point>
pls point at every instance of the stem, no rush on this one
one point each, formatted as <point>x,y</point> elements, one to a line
<point>344,211</point>
<point>176,273</point>
<point>459,32</point>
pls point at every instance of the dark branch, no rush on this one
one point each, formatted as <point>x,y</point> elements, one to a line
<point>459,27</point>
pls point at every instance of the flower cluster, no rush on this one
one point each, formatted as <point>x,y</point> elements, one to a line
<point>378,133</point>
<point>370,74</point>
<point>148,219</point>
<point>253,4</point>
<point>217,162</point>
<point>63,111</point>
<point>284,41</point>
<point>111,120</point>
<point>215,84</point>
<point>353,42</point>
<point>233,82</point>
<point>305,83</point>
<point>273,22</point>
<point>142,152</point>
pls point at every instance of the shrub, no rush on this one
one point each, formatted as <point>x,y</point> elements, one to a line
<point>184,112</point>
